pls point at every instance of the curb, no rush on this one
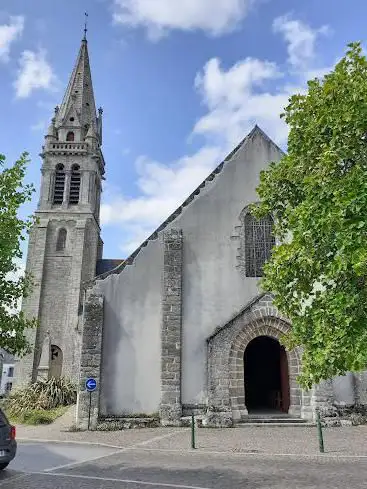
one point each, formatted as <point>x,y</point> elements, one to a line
<point>72,442</point>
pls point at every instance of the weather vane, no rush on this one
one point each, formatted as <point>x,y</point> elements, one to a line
<point>85,25</point>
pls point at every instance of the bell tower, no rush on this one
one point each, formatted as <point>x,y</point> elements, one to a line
<point>65,243</point>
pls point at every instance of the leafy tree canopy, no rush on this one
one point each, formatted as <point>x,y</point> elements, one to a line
<point>317,194</point>
<point>13,230</point>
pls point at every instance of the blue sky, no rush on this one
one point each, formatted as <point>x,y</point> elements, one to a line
<point>181,83</point>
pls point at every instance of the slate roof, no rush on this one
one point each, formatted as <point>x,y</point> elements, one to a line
<point>7,357</point>
<point>106,265</point>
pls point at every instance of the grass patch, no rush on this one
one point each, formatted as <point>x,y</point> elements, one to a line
<point>38,416</point>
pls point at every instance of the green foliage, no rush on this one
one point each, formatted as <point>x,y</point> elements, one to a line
<point>38,416</point>
<point>13,230</point>
<point>317,194</point>
<point>40,396</point>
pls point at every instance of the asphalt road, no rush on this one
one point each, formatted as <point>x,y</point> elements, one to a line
<point>61,466</point>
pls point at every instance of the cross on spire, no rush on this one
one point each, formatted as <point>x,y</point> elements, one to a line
<point>85,26</point>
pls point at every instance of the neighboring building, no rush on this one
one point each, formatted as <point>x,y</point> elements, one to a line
<point>181,325</point>
<point>7,372</point>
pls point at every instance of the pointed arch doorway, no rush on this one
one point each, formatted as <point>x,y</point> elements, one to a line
<point>266,376</point>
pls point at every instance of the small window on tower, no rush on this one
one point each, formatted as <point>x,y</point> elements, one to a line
<point>74,185</point>
<point>72,119</point>
<point>61,240</point>
<point>70,136</point>
<point>59,185</point>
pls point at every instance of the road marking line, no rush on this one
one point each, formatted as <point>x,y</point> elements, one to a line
<point>126,481</point>
<point>158,438</point>
<point>80,462</point>
<point>120,450</point>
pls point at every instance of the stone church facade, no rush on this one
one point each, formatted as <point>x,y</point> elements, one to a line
<point>180,326</point>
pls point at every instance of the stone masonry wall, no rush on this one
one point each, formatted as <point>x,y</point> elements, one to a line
<point>171,408</point>
<point>90,365</point>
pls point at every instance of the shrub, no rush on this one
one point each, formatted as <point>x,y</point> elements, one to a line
<point>41,396</point>
<point>41,416</point>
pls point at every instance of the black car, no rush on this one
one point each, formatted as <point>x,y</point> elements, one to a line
<point>8,444</point>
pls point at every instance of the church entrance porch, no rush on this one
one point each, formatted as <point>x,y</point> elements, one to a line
<point>266,379</point>
<point>250,374</point>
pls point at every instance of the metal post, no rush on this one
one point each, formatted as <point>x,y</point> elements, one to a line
<point>90,408</point>
<point>193,431</point>
<point>319,431</point>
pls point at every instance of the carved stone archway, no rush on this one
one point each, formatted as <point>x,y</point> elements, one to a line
<point>226,347</point>
<point>273,328</point>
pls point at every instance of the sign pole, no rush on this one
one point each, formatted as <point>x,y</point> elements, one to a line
<point>91,386</point>
<point>193,445</point>
<point>90,408</point>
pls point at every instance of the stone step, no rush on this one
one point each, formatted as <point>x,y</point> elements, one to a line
<point>272,420</point>
<point>275,424</point>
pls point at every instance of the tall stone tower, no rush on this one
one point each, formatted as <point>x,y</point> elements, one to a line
<point>65,244</point>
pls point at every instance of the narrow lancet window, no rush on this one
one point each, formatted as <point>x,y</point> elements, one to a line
<point>59,185</point>
<point>74,185</point>
<point>61,240</point>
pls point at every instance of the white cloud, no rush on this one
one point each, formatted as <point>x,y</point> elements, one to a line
<point>160,16</point>
<point>8,34</point>
<point>300,37</point>
<point>34,73</point>
<point>235,98</point>
<point>235,102</point>
<point>162,187</point>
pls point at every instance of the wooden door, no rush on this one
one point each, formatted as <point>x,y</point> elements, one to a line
<point>284,380</point>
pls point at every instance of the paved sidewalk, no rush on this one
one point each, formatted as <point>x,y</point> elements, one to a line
<point>344,441</point>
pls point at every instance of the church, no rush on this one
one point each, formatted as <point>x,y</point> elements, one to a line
<point>180,326</point>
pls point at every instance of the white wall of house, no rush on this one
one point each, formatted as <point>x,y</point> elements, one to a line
<point>7,378</point>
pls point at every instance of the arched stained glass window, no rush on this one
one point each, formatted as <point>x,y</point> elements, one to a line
<point>259,241</point>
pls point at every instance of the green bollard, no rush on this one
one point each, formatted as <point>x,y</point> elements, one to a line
<point>319,431</point>
<point>193,432</point>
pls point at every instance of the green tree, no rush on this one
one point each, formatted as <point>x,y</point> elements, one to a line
<point>317,194</point>
<point>13,230</point>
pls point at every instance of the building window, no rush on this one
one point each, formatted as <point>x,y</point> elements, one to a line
<point>11,372</point>
<point>61,240</point>
<point>70,136</point>
<point>74,185</point>
<point>59,185</point>
<point>8,386</point>
<point>259,241</point>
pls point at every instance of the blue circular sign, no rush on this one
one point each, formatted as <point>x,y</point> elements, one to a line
<point>91,384</point>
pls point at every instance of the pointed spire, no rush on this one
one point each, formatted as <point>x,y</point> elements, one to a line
<point>79,96</point>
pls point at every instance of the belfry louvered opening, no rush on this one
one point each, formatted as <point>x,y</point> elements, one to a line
<point>59,185</point>
<point>74,185</point>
